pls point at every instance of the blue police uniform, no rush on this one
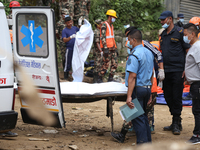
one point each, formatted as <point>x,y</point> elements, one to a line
<point>140,61</point>
<point>157,55</point>
<point>173,50</point>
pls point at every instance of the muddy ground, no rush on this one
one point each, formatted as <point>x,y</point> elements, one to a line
<point>87,115</point>
<point>79,123</point>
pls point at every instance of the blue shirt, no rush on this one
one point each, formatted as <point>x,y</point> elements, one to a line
<point>67,33</point>
<point>142,65</point>
<point>150,47</point>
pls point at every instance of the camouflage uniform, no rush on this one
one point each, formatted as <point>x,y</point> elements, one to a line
<point>97,53</point>
<point>112,55</point>
<point>45,3</point>
<point>60,25</point>
<point>81,9</point>
<point>69,5</point>
<point>150,111</point>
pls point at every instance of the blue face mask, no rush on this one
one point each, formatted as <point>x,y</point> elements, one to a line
<point>128,44</point>
<point>181,20</point>
<point>113,19</point>
<point>128,49</point>
<point>166,25</point>
<point>186,40</point>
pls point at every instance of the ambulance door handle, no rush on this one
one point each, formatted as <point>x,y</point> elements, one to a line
<point>46,68</point>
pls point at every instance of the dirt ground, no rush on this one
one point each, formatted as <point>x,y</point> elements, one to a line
<point>87,115</point>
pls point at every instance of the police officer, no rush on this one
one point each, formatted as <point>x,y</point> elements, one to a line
<point>158,61</point>
<point>173,50</point>
<point>180,19</point>
<point>157,54</point>
<point>98,53</point>
<point>139,72</point>
<point>192,71</point>
<point>107,43</point>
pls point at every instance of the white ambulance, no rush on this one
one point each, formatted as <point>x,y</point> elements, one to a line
<point>34,48</point>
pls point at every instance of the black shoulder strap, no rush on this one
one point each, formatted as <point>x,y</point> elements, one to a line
<point>133,55</point>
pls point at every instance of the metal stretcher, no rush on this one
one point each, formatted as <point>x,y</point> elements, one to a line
<point>110,96</point>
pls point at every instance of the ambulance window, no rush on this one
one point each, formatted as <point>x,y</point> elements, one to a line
<point>32,35</point>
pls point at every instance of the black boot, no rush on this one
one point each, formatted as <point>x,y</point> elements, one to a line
<point>99,80</point>
<point>95,77</point>
<point>175,126</point>
<point>120,137</point>
<point>66,75</point>
<point>180,125</point>
<point>169,128</point>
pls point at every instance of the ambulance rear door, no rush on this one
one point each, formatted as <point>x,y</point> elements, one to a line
<point>35,50</point>
<point>8,117</point>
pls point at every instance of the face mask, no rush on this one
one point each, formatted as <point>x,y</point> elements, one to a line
<point>128,51</point>
<point>181,20</point>
<point>186,40</point>
<point>197,27</point>
<point>113,19</point>
<point>128,44</point>
<point>166,25</point>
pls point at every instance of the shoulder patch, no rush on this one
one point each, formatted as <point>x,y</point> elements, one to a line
<point>180,29</point>
<point>129,62</point>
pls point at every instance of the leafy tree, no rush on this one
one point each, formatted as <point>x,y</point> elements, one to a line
<point>6,5</point>
<point>140,13</point>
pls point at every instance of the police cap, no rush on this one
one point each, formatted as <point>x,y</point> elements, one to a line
<point>180,15</point>
<point>166,14</point>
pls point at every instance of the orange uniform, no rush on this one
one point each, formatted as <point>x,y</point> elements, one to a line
<point>156,44</point>
<point>154,85</point>
<point>110,40</point>
<point>11,36</point>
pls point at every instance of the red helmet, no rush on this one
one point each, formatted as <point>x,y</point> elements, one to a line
<point>195,20</point>
<point>14,4</point>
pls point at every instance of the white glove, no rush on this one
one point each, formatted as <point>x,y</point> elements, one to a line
<point>73,36</point>
<point>161,74</point>
<point>102,54</point>
<point>80,21</point>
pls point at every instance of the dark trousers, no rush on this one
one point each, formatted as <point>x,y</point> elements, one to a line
<point>173,90</point>
<point>195,90</point>
<point>68,60</point>
<point>141,123</point>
